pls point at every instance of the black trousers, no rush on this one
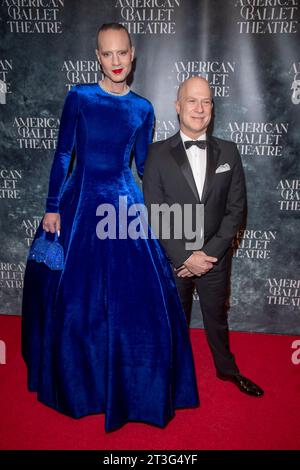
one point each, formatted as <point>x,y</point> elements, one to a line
<point>212,291</point>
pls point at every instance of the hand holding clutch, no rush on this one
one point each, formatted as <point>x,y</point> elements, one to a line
<point>49,252</point>
<point>51,222</point>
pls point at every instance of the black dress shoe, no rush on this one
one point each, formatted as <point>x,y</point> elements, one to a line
<point>245,385</point>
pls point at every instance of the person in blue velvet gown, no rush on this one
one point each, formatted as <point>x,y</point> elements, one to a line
<point>107,334</point>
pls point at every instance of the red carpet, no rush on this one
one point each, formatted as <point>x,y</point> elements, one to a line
<point>226,419</point>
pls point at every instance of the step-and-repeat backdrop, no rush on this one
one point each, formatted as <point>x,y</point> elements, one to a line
<point>249,50</point>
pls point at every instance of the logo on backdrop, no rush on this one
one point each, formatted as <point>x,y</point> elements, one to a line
<point>148,16</point>
<point>258,139</point>
<point>289,193</point>
<point>9,183</point>
<point>30,226</point>
<point>38,133</point>
<point>6,68</point>
<point>295,86</point>
<point>254,244</point>
<point>164,129</point>
<point>12,275</point>
<point>283,292</point>
<point>81,71</point>
<point>34,16</point>
<point>218,74</point>
<point>267,16</point>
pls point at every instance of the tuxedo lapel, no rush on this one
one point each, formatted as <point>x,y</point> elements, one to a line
<point>179,154</point>
<point>213,152</point>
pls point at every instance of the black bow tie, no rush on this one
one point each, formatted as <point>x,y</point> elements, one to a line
<point>201,144</point>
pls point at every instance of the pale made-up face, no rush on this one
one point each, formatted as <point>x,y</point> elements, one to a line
<point>194,107</point>
<point>115,54</point>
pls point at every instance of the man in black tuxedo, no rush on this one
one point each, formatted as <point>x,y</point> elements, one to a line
<point>195,168</point>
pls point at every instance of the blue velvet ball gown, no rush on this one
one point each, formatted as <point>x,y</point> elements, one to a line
<point>106,334</point>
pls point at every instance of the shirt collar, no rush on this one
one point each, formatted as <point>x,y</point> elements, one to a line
<point>185,137</point>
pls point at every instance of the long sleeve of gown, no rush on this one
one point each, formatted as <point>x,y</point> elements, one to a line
<point>143,139</point>
<point>62,156</point>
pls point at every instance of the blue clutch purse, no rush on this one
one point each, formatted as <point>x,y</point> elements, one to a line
<point>49,252</point>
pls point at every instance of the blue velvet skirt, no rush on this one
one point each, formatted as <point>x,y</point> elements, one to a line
<point>108,333</point>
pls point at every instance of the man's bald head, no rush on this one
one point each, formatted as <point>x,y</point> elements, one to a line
<point>192,82</point>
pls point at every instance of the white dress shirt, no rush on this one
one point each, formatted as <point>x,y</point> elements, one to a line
<point>197,159</point>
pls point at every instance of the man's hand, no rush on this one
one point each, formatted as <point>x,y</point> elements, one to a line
<point>197,264</point>
<point>183,272</point>
<point>51,222</point>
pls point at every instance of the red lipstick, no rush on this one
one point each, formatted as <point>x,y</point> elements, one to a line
<point>117,71</point>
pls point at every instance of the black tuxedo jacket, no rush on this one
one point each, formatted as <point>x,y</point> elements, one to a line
<point>168,178</point>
